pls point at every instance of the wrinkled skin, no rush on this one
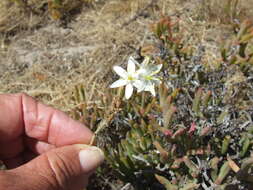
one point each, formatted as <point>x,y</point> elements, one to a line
<point>28,130</point>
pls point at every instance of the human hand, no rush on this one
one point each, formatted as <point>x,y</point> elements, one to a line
<point>42,147</point>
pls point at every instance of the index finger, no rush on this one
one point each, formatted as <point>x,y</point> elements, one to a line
<point>24,115</point>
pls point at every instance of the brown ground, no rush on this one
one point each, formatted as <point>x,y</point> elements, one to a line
<point>47,58</point>
<point>48,61</point>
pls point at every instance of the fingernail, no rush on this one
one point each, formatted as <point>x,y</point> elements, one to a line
<point>91,158</point>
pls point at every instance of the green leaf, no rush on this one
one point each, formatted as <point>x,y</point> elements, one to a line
<point>166,183</point>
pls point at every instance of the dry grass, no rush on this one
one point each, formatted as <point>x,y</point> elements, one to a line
<point>14,17</point>
<point>35,60</point>
<point>41,57</point>
<point>226,11</point>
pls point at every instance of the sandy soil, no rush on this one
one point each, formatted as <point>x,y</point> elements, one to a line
<point>48,58</point>
<point>47,61</point>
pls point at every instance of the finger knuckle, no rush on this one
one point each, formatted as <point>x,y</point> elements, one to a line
<point>60,171</point>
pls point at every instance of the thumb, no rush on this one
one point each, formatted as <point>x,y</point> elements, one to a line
<point>64,168</point>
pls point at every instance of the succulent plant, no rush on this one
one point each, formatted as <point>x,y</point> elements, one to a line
<point>196,133</point>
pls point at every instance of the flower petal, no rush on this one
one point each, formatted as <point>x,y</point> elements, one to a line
<point>159,67</point>
<point>131,59</point>
<point>128,91</point>
<point>118,83</point>
<point>156,69</point>
<point>120,71</point>
<point>150,88</point>
<point>131,65</point>
<point>141,72</point>
<point>140,85</point>
<point>145,61</point>
<point>156,80</point>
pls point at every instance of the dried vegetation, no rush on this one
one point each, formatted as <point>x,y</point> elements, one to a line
<point>197,132</point>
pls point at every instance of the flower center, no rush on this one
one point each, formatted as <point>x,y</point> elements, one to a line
<point>148,77</point>
<point>130,77</point>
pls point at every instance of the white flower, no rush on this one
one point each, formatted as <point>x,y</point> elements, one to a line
<point>143,79</point>
<point>146,76</point>
<point>127,78</point>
